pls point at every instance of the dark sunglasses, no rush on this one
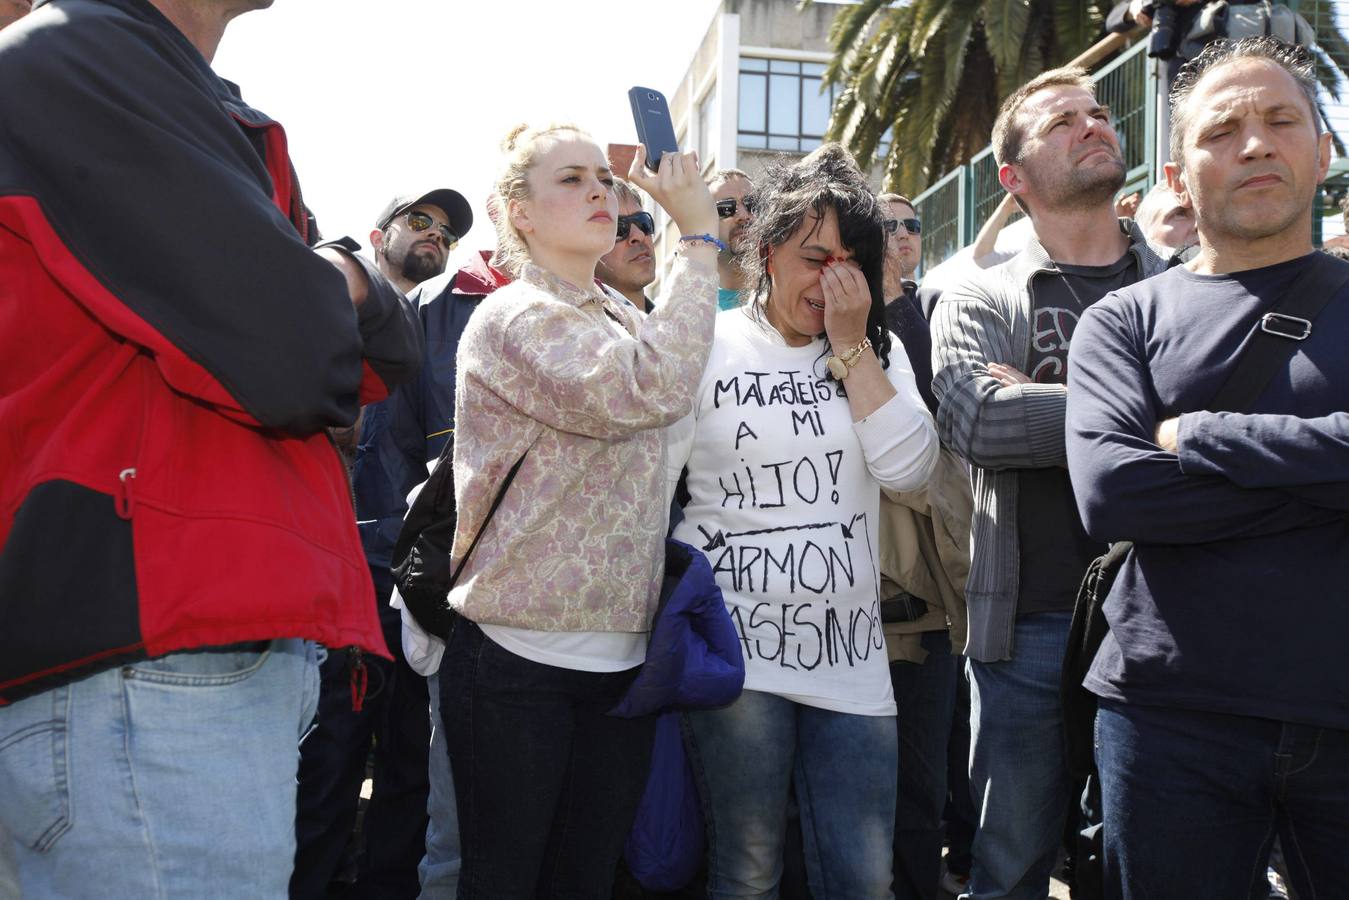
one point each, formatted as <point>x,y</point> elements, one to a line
<point>912,226</point>
<point>420,221</point>
<point>642,220</point>
<point>726,208</point>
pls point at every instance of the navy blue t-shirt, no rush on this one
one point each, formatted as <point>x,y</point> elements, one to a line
<point>1234,598</point>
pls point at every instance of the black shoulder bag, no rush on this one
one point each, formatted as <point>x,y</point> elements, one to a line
<point>421,556</point>
<point>1268,351</point>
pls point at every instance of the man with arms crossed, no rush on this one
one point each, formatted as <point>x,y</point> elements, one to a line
<point>1000,345</point>
<point>1224,694</point>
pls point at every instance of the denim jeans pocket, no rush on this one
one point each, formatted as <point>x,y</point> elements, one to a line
<point>201,668</point>
<point>34,779</point>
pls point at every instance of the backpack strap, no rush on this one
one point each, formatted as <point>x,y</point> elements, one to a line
<point>501,493</point>
<point>1279,332</point>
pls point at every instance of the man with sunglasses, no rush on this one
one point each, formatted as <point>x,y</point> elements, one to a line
<point>631,265</point>
<point>399,438</point>
<point>903,315</point>
<point>412,239</point>
<point>413,236</point>
<point>904,245</point>
<point>735,210</point>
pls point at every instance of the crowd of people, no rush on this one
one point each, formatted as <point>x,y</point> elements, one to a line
<point>891,489</point>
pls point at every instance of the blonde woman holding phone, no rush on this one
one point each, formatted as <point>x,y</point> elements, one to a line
<point>556,599</point>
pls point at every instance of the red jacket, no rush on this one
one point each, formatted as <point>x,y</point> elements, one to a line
<point>172,353</point>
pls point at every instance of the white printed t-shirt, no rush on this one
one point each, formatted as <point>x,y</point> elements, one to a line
<point>785,494</point>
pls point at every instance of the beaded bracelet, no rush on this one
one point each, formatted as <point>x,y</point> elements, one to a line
<point>704,238</point>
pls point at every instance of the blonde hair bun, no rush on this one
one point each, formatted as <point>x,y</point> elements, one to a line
<point>512,138</point>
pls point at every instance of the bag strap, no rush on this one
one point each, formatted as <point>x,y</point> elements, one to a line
<point>501,492</point>
<point>1280,331</point>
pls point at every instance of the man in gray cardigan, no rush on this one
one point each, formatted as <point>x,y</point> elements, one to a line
<point>1000,347</point>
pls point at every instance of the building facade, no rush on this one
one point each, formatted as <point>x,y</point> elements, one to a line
<point>751,92</point>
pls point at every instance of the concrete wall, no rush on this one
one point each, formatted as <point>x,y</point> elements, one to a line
<point>780,25</point>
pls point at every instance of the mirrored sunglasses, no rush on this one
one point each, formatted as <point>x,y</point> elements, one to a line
<point>726,208</point>
<point>420,221</point>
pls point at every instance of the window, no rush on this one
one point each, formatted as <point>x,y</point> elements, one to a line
<point>782,106</point>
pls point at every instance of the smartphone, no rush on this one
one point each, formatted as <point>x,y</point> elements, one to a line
<point>651,115</point>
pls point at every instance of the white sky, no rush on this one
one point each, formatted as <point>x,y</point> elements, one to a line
<point>381,97</point>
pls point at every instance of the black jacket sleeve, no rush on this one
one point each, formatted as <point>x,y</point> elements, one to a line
<point>116,126</point>
<point>392,342</point>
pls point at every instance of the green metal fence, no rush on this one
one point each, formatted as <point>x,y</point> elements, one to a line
<point>958,204</point>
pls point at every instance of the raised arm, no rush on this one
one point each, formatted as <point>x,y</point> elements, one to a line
<point>392,339</point>
<point>899,440</point>
<point>556,365</point>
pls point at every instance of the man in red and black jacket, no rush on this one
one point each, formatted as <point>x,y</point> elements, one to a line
<point>176,530</point>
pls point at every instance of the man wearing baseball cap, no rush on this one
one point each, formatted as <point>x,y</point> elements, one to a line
<point>412,239</point>
<point>413,235</point>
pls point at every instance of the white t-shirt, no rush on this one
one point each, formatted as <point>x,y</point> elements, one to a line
<point>785,497</point>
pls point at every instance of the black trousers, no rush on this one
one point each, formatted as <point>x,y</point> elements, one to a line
<point>547,782</point>
<point>396,721</point>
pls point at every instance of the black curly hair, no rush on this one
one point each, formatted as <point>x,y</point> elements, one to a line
<point>793,190</point>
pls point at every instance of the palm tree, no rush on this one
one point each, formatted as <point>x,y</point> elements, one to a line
<point>932,72</point>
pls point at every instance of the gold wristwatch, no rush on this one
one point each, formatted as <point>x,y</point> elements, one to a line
<point>840,365</point>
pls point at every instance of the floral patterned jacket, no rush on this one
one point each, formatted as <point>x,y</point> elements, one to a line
<point>586,385</point>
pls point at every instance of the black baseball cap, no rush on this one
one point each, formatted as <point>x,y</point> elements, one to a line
<point>457,211</point>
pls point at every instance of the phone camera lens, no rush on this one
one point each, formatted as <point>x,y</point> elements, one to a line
<point>650,95</point>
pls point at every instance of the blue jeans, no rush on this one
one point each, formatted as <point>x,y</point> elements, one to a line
<point>926,695</point>
<point>547,782</point>
<point>1018,775</point>
<point>1194,800</point>
<point>439,869</point>
<point>745,757</point>
<point>173,777</point>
